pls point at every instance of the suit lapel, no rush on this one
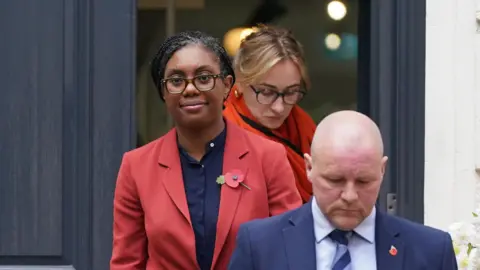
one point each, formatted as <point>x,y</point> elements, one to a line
<point>389,247</point>
<point>235,158</point>
<point>300,239</point>
<point>169,159</point>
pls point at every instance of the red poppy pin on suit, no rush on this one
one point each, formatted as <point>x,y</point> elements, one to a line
<point>393,251</point>
<point>233,179</point>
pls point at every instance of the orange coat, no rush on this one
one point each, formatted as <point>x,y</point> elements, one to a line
<point>152,226</point>
<point>298,129</point>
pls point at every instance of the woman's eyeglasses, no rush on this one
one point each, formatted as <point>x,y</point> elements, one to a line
<point>267,96</point>
<point>203,83</point>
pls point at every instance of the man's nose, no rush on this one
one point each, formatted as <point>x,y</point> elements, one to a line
<point>349,193</point>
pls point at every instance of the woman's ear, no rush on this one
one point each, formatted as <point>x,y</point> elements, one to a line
<point>228,82</point>
<point>162,93</point>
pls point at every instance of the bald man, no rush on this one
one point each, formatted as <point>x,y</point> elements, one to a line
<point>340,227</point>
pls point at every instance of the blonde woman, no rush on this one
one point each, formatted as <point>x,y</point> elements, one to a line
<point>271,79</point>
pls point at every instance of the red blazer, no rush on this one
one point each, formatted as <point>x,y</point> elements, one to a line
<point>152,227</point>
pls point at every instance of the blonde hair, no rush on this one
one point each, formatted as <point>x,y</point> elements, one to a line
<point>263,49</point>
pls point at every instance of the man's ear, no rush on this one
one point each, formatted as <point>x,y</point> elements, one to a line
<point>308,165</point>
<point>384,164</point>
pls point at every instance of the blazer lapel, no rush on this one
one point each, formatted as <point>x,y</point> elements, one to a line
<point>235,158</point>
<point>300,239</point>
<point>169,159</point>
<point>389,247</point>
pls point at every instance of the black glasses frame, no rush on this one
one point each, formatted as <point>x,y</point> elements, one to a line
<point>279,94</point>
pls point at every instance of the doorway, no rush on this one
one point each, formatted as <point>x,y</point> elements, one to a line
<point>72,118</point>
<point>359,57</point>
<point>328,35</point>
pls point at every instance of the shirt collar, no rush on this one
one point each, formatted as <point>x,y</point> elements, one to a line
<point>323,227</point>
<point>218,141</point>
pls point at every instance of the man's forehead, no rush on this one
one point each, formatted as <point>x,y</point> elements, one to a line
<point>348,151</point>
<point>344,155</point>
<point>351,164</point>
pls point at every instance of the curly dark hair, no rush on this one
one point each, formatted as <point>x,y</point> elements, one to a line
<point>180,40</point>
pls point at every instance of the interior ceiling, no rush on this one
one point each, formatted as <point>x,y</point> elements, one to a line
<point>272,11</point>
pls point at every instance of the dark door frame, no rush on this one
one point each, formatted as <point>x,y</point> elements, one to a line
<point>391,71</point>
<point>103,74</point>
<point>100,41</point>
<point>392,92</point>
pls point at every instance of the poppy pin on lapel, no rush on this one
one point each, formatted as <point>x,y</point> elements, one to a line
<point>393,251</point>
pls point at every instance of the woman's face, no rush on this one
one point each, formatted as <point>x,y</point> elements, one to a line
<point>270,111</point>
<point>193,88</point>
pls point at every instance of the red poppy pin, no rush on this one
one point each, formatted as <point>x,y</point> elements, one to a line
<point>233,179</point>
<point>393,251</point>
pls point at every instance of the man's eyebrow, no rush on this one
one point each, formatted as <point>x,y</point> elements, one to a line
<point>330,175</point>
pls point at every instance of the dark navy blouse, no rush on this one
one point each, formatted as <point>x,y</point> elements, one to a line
<point>203,196</point>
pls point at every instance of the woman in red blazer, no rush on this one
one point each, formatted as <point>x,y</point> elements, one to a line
<point>180,199</point>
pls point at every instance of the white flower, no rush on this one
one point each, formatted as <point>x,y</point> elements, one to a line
<point>462,233</point>
<point>466,243</point>
<point>474,259</point>
<point>463,260</point>
<point>475,240</point>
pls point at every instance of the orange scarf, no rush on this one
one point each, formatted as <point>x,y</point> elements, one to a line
<point>296,134</point>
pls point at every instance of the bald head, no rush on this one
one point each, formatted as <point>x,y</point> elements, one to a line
<point>346,167</point>
<point>347,130</point>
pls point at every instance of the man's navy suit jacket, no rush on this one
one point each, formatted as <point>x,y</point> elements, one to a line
<point>287,241</point>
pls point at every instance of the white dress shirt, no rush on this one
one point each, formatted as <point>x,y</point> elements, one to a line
<point>361,245</point>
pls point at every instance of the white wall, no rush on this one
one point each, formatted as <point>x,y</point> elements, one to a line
<point>452,113</point>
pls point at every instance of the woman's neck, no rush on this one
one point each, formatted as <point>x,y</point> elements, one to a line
<point>193,140</point>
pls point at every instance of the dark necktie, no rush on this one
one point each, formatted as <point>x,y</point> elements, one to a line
<point>342,259</point>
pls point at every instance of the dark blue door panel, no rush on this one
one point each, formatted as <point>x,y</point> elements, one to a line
<point>66,95</point>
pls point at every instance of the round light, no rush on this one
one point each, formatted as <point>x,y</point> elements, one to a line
<point>233,38</point>
<point>336,10</point>
<point>333,42</point>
